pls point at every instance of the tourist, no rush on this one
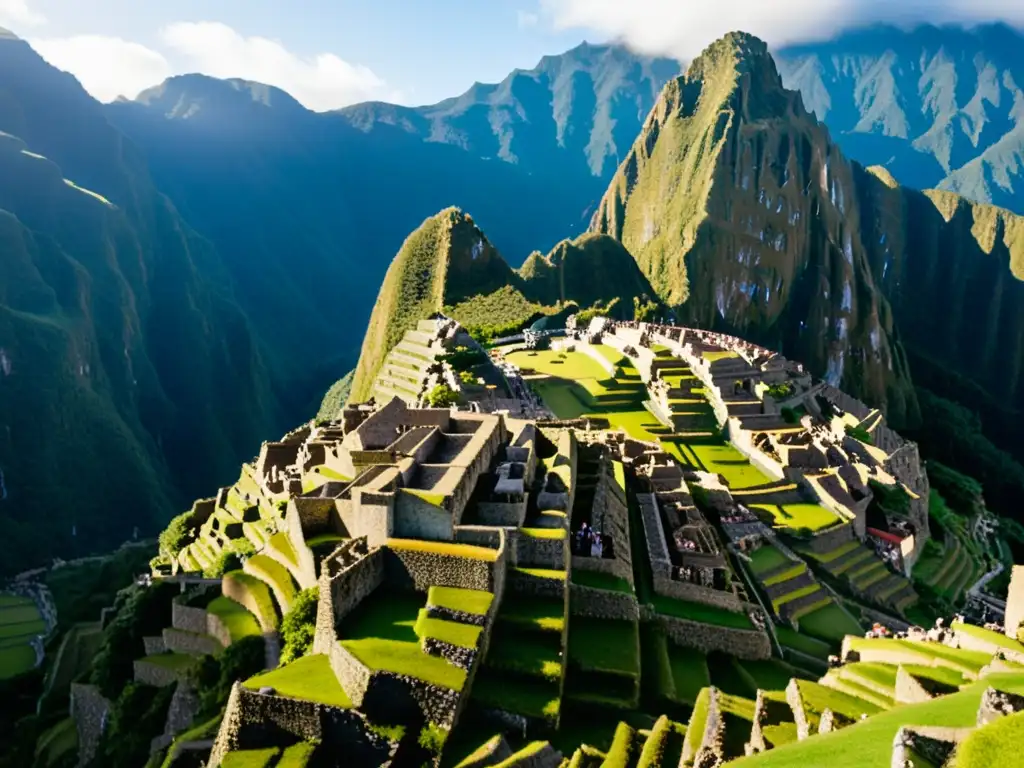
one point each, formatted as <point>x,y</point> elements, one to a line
<point>596,547</point>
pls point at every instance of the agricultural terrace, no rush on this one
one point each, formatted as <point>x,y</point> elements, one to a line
<point>20,624</point>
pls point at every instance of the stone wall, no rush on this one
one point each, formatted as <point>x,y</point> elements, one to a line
<point>712,742</point>
<point>908,690</point>
<point>796,704</point>
<point>654,535</point>
<point>587,349</point>
<point>156,675</point>
<point>179,641</point>
<point>826,541</point>
<point>694,593</point>
<point>154,645</point>
<point>305,573</point>
<point>971,642</point>
<point>89,709</point>
<point>417,518</point>
<point>995,704</point>
<point>352,585</point>
<point>522,583</point>
<point>419,570</point>
<point>611,565</point>
<point>743,441</point>
<point>602,603</point>
<point>371,514</point>
<point>253,721</point>
<point>237,591</point>
<point>540,553</point>
<point>742,643</point>
<point>511,514</point>
<point>914,743</point>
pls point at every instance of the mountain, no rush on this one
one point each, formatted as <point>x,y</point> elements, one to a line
<point>579,110</point>
<point>745,215</point>
<point>448,264</point>
<point>938,106</point>
<point>129,377</point>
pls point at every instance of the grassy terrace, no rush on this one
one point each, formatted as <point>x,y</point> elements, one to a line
<point>381,633</point>
<point>766,558</point>
<point>708,614</point>
<point>870,742</point>
<point>830,623</point>
<point>987,635</point>
<point>444,548</point>
<point>812,516</point>
<point>465,600</point>
<point>599,580</point>
<point>310,677</point>
<point>689,673</point>
<point>239,622</point>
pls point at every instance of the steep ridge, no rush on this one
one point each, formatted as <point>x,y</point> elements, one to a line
<point>737,206</point>
<point>449,264</point>
<point>938,106</point>
<point>130,378</point>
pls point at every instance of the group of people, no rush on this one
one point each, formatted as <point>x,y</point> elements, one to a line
<point>590,543</point>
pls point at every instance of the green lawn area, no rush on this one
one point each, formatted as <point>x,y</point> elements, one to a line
<point>178,662</point>
<point>250,758</point>
<point>239,622</point>
<point>56,742</point>
<point>468,551</point>
<point>275,575</point>
<point>721,354</point>
<point>572,366</point>
<point>766,558</point>
<point>540,614</point>
<point>532,697</point>
<point>7,600</point>
<point>309,677</point>
<point>689,672</point>
<point>869,743</point>
<point>601,645</point>
<point>699,612</point>
<point>18,614</point>
<point>533,654</point>
<point>881,674</point>
<point>812,516</point>
<point>297,755</point>
<point>810,589</point>
<point>259,593</point>
<point>803,643</point>
<point>26,629</point>
<point>725,460</point>
<point>451,632</point>
<point>786,575</point>
<point>472,601</point>
<point>996,638</point>
<point>381,633</point>
<point>768,674</point>
<point>600,580</point>
<point>830,623</point>
<point>16,659</point>
<point>996,744</point>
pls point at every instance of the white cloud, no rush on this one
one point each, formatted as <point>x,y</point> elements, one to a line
<point>683,28</point>
<point>107,67</point>
<point>320,82</point>
<point>527,19</point>
<point>17,12</point>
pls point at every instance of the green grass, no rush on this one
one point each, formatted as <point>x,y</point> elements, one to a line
<point>830,623</point>
<point>602,645</point>
<point>451,632</point>
<point>689,672</point>
<point>381,633</point>
<point>8,600</point>
<point>539,614</point>
<point>18,614</point>
<point>623,750</point>
<point>297,755</point>
<point>468,551</point>
<point>310,678</point>
<point>26,629</point>
<point>250,758</point>
<point>996,638</point>
<point>725,460</point>
<point>810,589</point>
<point>766,558</point>
<point>800,642</point>
<point>880,674</point>
<point>786,575</point>
<point>276,576</point>
<point>531,697</point>
<point>714,355</point>
<point>698,719</point>
<point>544,533</point>
<point>817,698</point>
<point>699,612</point>
<point>997,744</point>
<point>869,743</point>
<point>525,653</point>
<point>601,580</point>
<point>15,660</point>
<point>259,593</point>
<point>472,601</point>
<point>836,553</point>
<point>812,516</point>
<point>236,618</point>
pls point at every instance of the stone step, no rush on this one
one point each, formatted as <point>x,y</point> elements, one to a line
<point>386,394</point>
<point>190,643</point>
<point>419,337</point>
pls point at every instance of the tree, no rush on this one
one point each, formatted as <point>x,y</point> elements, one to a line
<point>177,534</point>
<point>299,625</point>
<point>442,396</point>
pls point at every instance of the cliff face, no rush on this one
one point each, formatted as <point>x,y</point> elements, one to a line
<point>744,215</point>
<point>128,377</point>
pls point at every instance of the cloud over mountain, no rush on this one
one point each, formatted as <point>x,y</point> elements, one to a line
<point>684,27</point>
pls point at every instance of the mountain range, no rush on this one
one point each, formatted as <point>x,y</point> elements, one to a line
<point>194,267</point>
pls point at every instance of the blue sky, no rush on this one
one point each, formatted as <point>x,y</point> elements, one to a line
<point>331,53</point>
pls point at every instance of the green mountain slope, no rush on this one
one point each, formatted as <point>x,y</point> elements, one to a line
<point>938,106</point>
<point>129,379</point>
<point>449,265</point>
<point>737,206</point>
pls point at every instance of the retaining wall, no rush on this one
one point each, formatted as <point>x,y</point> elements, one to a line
<point>742,643</point>
<point>602,603</point>
<point>89,708</point>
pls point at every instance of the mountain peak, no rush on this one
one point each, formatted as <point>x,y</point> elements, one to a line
<point>185,96</point>
<point>6,34</point>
